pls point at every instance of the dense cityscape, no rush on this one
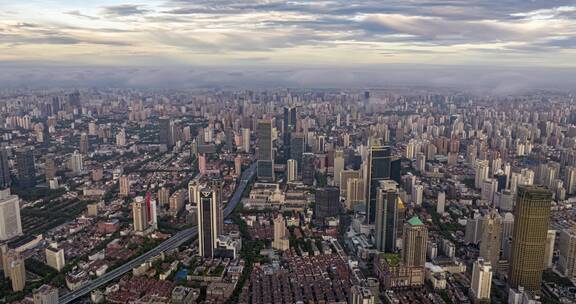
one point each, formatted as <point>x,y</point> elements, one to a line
<point>287,196</point>
<point>288,151</point>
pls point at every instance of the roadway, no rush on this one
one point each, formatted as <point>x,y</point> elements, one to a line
<point>171,243</point>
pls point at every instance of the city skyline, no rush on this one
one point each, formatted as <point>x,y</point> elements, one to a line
<point>299,151</point>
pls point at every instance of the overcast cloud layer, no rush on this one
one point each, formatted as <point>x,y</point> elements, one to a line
<point>249,41</point>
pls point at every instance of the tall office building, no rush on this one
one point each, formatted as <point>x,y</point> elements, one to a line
<point>345,175</point>
<point>491,237</point>
<point>308,168</point>
<point>25,167</point>
<point>208,220</point>
<point>10,222</point>
<point>378,169</point>
<point>84,145</point>
<point>265,163</point>
<point>124,186</point>
<point>163,196</point>
<point>417,194</point>
<point>5,180</point>
<point>17,272</point>
<point>354,193</point>
<point>338,166</point>
<point>121,138</point>
<point>291,170</point>
<point>473,233</point>
<point>327,202</point>
<point>76,163</point>
<point>290,118</point>
<point>531,221</point>
<point>193,191</point>
<point>140,214</point>
<point>289,124</point>
<point>166,132</point>
<point>46,294</point>
<point>570,180</point>
<point>386,216</point>
<point>441,202</point>
<point>549,250</point>
<point>482,170</point>
<point>567,253</point>
<point>414,243</point>
<point>281,241</point>
<point>229,139</point>
<point>152,211</point>
<point>246,140</point>
<point>50,168</point>
<point>481,280</point>
<point>55,257</point>
<point>507,230</point>
<point>297,148</point>
<point>420,162</point>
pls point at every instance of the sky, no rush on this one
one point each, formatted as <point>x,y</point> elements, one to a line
<point>301,42</point>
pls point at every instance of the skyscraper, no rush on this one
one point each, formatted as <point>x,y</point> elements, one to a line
<point>290,117</point>
<point>152,211</point>
<point>291,170</point>
<point>567,256</point>
<point>50,168</point>
<point>531,220</point>
<point>491,237</point>
<point>280,242</point>
<point>482,170</point>
<point>441,202</point>
<point>265,164</point>
<point>246,140</point>
<point>17,272</point>
<point>327,202</point>
<point>166,131</point>
<point>124,186</point>
<point>549,250</point>
<point>25,167</point>
<point>208,220</point>
<point>193,191</point>
<point>297,149</point>
<point>140,214</point>
<point>354,193</point>
<point>288,127</point>
<point>10,223</point>
<point>414,243</point>
<point>386,216</point>
<point>76,163</point>
<point>481,280</point>
<point>338,166</point>
<point>378,170</point>
<point>84,145</point>
<point>308,168</point>
<point>5,180</point>
<point>55,257</point>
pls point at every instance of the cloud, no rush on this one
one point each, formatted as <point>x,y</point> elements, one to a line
<point>324,32</point>
<point>35,34</point>
<point>124,10</point>
<point>436,29</point>
<point>77,13</point>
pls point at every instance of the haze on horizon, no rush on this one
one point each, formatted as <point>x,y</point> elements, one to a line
<point>499,45</point>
